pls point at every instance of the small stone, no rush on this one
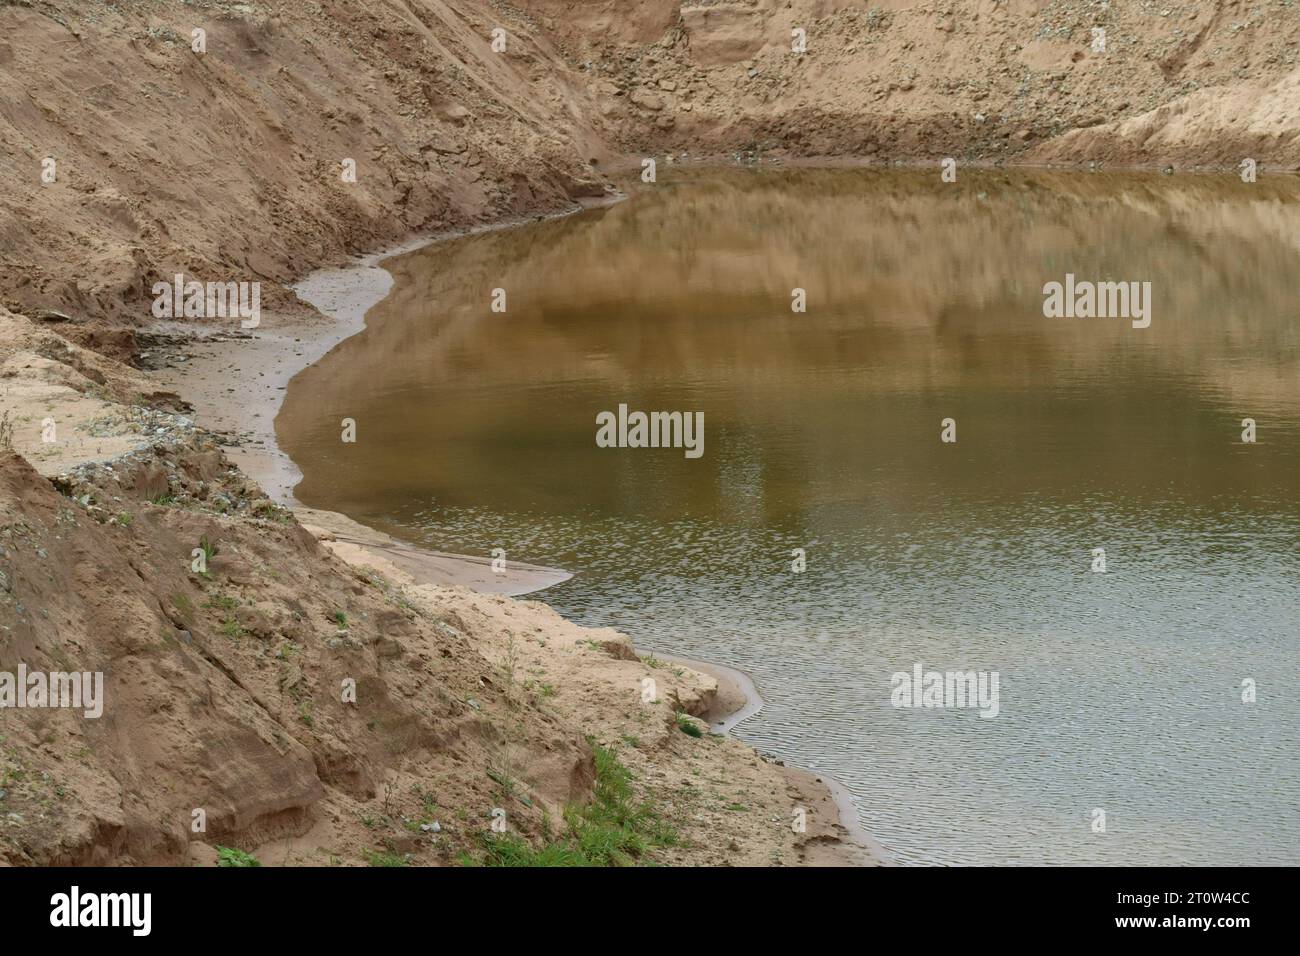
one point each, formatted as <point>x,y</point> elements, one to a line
<point>647,100</point>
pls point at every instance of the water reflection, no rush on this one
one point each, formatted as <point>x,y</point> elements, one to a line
<point>924,302</point>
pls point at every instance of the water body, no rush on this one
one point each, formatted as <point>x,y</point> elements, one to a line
<point>1119,691</point>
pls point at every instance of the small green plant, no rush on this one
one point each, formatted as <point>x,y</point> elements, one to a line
<point>229,856</point>
<point>687,725</point>
<point>612,830</point>
<point>504,780</point>
<point>184,607</point>
<point>376,858</point>
<point>339,618</point>
<point>508,665</point>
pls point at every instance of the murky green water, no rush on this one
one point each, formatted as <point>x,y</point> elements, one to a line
<point>1120,691</point>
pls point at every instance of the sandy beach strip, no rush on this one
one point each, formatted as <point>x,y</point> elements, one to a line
<point>236,383</point>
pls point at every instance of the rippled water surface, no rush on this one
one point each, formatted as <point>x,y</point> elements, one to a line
<point>1120,691</point>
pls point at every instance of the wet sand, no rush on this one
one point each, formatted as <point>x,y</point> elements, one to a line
<point>236,382</point>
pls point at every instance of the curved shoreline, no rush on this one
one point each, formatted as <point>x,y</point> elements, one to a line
<point>738,699</point>
<point>345,294</point>
<point>333,302</point>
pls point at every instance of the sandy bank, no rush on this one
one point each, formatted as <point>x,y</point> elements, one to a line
<point>736,700</point>
<point>596,678</point>
<point>465,702</point>
<point>236,382</point>
<point>239,383</point>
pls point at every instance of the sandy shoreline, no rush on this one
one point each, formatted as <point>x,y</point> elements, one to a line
<point>237,385</point>
<point>737,700</point>
<point>237,382</point>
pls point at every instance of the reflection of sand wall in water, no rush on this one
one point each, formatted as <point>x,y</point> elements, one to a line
<point>935,292</point>
<point>907,252</point>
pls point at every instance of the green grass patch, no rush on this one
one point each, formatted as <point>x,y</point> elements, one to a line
<point>614,829</point>
<point>228,856</point>
<point>688,726</point>
<point>377,858</point>
<point>184,607</point>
